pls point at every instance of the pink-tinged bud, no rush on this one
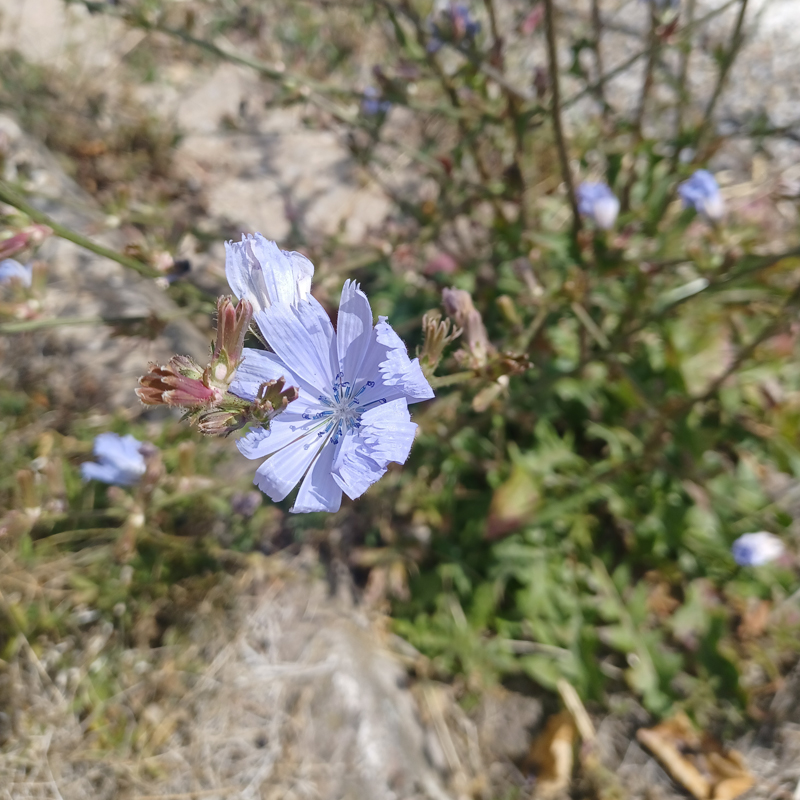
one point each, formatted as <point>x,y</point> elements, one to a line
<point>232,324</point>
<point>182,382</point>
<point>31,236</point>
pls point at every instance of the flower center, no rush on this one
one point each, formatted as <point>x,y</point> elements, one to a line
<point>341,410</point>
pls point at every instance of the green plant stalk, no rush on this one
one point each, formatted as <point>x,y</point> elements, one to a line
<point>629,62</point>
<point>450,380</point>
<point>558,129</point>
<point>597,35</point>
<point>10,196</point>
<point>737,39</point>
<point>683,76</point>
<point>25,326</point>
<point>653,49</point>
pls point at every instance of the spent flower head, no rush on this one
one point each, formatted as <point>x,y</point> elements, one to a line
<point>757,549</point>
<point>597,202</point>
<point>701,192</point>
<point>120,460</point>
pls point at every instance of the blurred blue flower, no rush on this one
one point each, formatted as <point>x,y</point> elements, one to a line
<point>119,460</point>
<point>701,192</point>
<point>598,202</point>
<point>351,417</point>
<point>757,549</point>
<point>373,104</point>
<point>260,272</point>
<point>12,270</point>
<point>454,24</point>
<point>661,4</point>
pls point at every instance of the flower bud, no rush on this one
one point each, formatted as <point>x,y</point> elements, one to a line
<point>232,413</point>
<point>232,324</point>
<point>458,305</point>
<point>31,236</point>
<point>182,382</point>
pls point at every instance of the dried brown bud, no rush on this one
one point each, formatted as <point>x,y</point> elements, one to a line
<point>438,334</point>
<point>458,305</point>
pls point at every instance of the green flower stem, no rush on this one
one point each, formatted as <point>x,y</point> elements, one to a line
<point>558,128</point>
<point>10,196</point>
<point>25,326</point>
<point>450,380</point>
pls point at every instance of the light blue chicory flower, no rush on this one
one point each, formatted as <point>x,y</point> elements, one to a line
<point>455,23</point>
<point>373,104</point>
<point>119,460</point>
<point>351,417</point>
<point>757,549</point>
<point>662,4</point>
<point>12,270</point>
<point>701,192</point>
<point>260,272</point>
<point>598,202</point>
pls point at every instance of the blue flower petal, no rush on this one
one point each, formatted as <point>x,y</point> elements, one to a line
<point>281,472</point>
<point>13,270</point>
<point>259,271</point>
<point>353,330</point>
<point>302,336</point>
<point>319,491</point>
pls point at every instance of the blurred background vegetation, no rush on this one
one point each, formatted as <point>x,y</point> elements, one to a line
<point>621,405</point>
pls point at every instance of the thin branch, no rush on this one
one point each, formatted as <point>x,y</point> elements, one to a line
<point>647,81</point>
<point>683,78</point>
<point>737,40</point>
<point>28,325</point>
<point>629,62</point>
<point>558,129</point>
<point>12,198</point>
<point>597,37</point>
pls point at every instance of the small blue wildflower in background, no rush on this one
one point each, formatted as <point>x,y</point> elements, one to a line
<point>12,270</point>
<point>598,202</point>
<point>350,418</point>
<point>454,24</point>
<point>119,460</point>
<point>757,549</point>
<point>701,192</point>
<point>373,103</point>
<point>662,4</point>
